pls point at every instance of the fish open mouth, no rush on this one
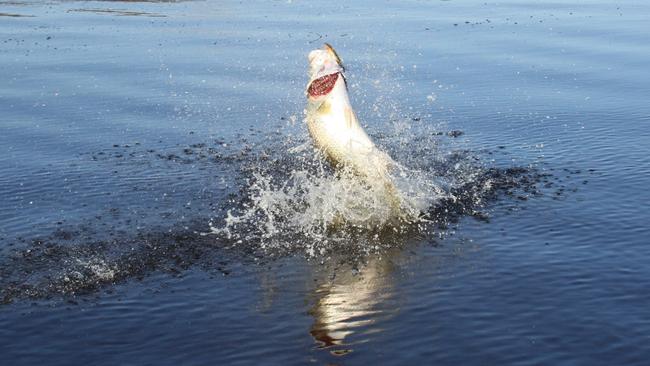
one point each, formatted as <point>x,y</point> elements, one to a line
<point>323,85</point>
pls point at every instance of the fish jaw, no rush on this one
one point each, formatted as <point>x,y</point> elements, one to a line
<point>322,86</point>
<point>324,61</point>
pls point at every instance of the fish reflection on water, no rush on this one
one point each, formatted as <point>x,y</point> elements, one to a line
<point>348,304</point>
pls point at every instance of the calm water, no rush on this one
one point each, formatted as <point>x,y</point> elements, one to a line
<point>127,128</point>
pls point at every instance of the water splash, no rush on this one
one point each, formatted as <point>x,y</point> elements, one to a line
<point>294,200</point>
<point>285,202</point>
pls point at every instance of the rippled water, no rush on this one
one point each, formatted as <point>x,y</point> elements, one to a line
<point>130,129</point>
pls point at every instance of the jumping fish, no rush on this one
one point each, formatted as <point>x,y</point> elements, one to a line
<point>333,124</point>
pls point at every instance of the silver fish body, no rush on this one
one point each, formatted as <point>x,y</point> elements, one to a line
<point>333,124</point>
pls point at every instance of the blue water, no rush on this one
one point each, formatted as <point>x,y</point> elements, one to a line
<point>125,127</point>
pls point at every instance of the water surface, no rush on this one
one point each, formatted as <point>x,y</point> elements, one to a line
<point>129,128</point>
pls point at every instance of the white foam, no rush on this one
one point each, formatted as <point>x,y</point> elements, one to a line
<point>317,206</point>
